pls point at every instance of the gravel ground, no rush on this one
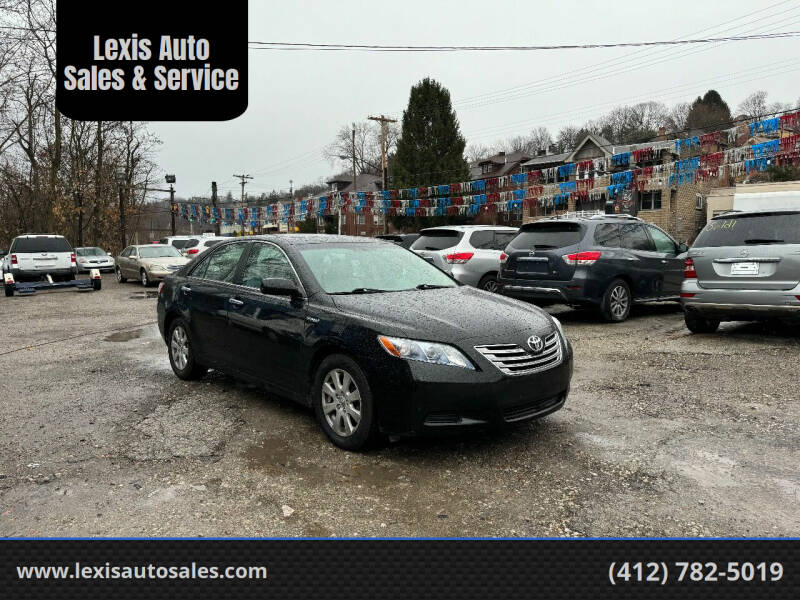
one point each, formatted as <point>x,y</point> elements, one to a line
<point>665,434</point>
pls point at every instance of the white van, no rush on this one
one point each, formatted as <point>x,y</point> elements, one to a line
<point>34,256</point>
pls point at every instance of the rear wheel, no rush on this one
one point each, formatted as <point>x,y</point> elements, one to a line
<point>343,403</point>
<point>697,324</point>
<point>120,278</point>
<point>181,352</point>
<point>489,282</point>
<point>616,304</point>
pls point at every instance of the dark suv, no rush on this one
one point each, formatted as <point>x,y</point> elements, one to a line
<point>606,261</point>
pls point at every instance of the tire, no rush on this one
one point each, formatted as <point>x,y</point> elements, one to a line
<point>120,278</point>
<point>617,301</point>
<point>697,324</point>
<point>351,422</point>
<point>489,283</point>
<point>181,355</point>
<point>144,278</point>
<point>97,284</point>
<point>9,289</point>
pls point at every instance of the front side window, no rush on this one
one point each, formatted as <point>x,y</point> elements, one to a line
<point>662,241</point>
<point>265,262</point>
<point>341,268</point>
<point>221,266</point>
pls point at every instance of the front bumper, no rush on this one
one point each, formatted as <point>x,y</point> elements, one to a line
<point>100,267</point>
<point>429,399</point>
<point>740,305</point>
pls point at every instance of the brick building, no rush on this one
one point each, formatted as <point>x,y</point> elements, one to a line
<point>364,223</point>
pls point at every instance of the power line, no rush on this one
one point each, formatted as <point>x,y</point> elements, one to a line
<point>409,48</point>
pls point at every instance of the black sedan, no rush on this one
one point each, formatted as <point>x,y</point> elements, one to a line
<point>373,337</point>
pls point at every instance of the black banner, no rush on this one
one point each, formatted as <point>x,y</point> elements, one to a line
<point>151,61</point>
<point>403,569</point>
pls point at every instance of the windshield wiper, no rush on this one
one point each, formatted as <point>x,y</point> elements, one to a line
<point>361,290</point>
<point>431,286</point>
<point>762,241</point>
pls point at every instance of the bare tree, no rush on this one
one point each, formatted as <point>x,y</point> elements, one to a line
<point>367,146</point>
<point>754,105</point>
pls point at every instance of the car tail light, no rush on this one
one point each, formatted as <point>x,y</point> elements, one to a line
<point>192,251</point>
<point>688,269</point>
<point>161,288</point>
<point>458,258</point>
<point>503,258</point>
<point>687,295</point>
<point>582,258</point>
<point>72,258</point>
<point>13,259</point>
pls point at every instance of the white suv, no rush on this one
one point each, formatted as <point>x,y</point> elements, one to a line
<point>34,256</point>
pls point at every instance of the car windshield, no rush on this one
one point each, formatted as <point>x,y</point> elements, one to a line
<point>547,235</point>
<point>40,244</point>
<point>751,229</point>
<point>90,252</point>
<point>343,268</point>
<point>158,251</point>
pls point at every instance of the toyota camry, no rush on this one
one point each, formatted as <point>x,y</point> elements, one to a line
<point>374,338</point>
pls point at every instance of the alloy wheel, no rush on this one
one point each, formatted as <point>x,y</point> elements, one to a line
<point>341,402</point>
<point>490,286</point>
<point>619,301</point>
<point>144,278</point>
<point>179,347</point>
<point>119,275</point>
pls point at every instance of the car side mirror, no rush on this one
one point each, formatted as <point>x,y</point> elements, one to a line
<point>279,286</point>
<point>683,248</point>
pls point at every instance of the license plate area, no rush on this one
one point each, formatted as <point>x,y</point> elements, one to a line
<point>744,268</point>
<point>534,265</point>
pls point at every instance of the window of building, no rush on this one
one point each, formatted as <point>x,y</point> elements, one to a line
<point>486,168</point>
<point>361,219</point>
<point>377,219</point>
<point>650,200</point>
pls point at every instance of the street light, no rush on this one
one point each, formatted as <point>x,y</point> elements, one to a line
<point>121,176</point>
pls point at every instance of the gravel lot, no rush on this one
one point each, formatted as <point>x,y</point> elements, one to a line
<point>665,433</point>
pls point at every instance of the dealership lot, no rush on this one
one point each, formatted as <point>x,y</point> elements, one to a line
<point>664,433</point>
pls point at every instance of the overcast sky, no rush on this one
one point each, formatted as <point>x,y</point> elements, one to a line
<point>299,99</point>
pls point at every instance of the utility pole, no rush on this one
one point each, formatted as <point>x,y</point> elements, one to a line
<point>172,207</point>
<point>243,179</point>
<point>214,204</point>
<point>383,120</point>
<point>355,177</point>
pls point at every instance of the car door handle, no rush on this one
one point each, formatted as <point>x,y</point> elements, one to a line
<point>236,302</point>
<point>186,289</point>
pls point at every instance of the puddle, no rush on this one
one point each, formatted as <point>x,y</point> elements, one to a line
<point>124,336</point>
<point>144,295</point>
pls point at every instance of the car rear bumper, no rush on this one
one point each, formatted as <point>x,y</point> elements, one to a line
<point>26,274</point>
<point>740,305</point>
<point>433,399</point>
<point>578,290</point>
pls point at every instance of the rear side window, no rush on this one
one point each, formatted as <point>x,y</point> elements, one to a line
<point>743,230</point>
<point>211,243</point>
<point>634,237</point>
<point>503,239</point>
<point>607,235</point>
<point>440,239</point>
<point>483,240</point>
<point>40,244</point>
<point>547,235</point>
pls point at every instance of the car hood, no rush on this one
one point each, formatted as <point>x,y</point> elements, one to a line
<point>447,315</point>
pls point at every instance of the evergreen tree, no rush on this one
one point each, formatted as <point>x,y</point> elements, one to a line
<point>430,150</point>
<point>708,113</point>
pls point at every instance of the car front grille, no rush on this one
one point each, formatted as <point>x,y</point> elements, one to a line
<point>526,411</point>
<point>173,267</point>
<point>512,359</point>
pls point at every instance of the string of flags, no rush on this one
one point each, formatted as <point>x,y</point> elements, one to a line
<point>542,188</point>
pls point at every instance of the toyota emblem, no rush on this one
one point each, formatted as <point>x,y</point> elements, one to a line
<point>535,343</point>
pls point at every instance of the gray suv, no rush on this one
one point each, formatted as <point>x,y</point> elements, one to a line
<point>470,253</point>
<point>744,266</point>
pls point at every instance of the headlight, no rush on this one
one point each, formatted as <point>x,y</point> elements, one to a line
<point>557,323</point>
<point>429,352</point>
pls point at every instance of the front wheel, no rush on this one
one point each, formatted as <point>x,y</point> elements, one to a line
<point>489,283</point>
<point>697,324</point>
<point>181,353</point>
<point>343,403</point>
<point>616,304</point>
<point>120,278</point>
<point>144,279</point>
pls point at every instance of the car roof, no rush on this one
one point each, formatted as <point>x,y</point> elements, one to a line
<point>757,211</point>
<point>469,228</point>
<point>31,235</point>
